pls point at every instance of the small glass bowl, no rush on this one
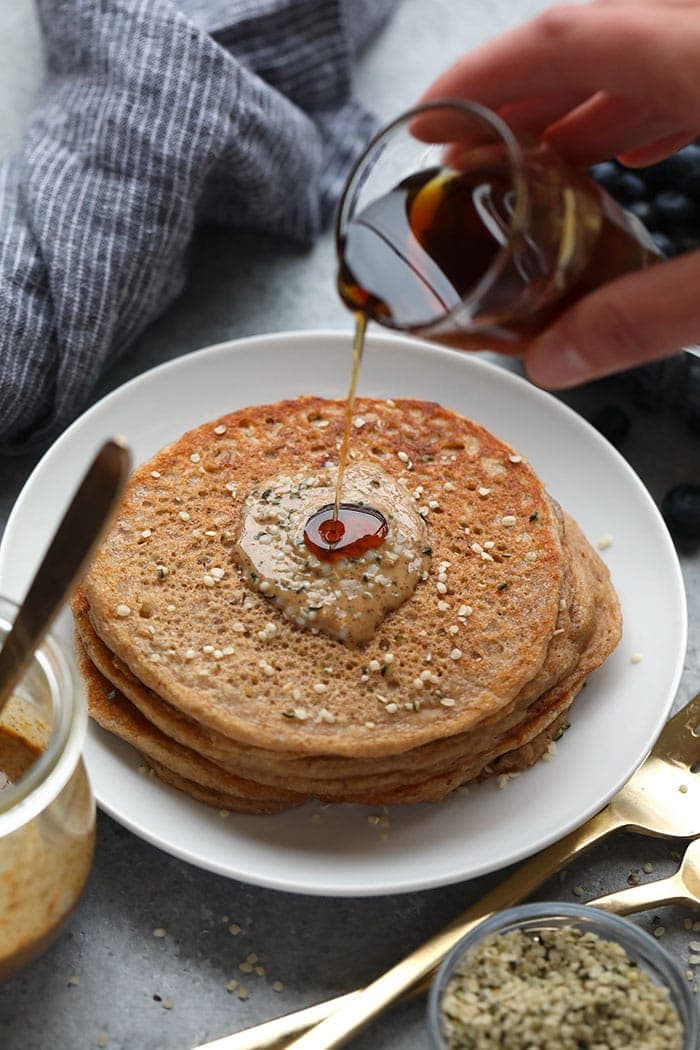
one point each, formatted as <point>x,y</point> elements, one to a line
<point>47,818</point>
<point>531,918</point>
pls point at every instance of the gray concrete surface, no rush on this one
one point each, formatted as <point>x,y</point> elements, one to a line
<point>239,285</point>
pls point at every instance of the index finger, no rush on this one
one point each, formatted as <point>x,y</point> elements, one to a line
<point>577,51</point>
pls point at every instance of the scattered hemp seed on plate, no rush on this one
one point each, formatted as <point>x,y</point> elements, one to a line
<point>563,987</point>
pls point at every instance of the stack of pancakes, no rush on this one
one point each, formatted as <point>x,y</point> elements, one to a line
<point>232,703</point>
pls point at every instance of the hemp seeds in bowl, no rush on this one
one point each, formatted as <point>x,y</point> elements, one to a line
<point>556,976</point>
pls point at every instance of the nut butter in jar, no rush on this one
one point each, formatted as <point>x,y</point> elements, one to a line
<point>47,811</point>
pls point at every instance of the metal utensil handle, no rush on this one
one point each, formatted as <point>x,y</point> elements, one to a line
<point>72,544</point>
<point>648,895</point>
<point>276,1033</point>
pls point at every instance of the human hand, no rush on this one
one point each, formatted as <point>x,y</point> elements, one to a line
<point>609,78</point>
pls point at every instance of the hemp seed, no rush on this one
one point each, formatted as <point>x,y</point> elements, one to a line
<point>562,987</point>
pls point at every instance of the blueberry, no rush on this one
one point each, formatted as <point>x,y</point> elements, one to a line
<point>663,243</point>
<point>671,173</point>
<point>643,211</point>
<point>647,384</point>
<point>675,171</point>
<point>681,509</point>
<point>607,174</point>
<point>687,243</point>
<point>629,187</point>
<point>652,177</point>
<point>691,154</point>
<point>691,186</point>
<point>612,422</point>
<point>672,212</point>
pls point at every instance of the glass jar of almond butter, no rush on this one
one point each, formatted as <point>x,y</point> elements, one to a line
<point>47,811</point>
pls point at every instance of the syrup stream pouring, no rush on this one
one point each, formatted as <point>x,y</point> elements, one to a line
<point>67,556</point>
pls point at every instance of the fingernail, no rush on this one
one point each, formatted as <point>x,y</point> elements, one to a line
<point>553,364</point>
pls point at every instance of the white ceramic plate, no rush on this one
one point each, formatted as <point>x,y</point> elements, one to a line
<point>336,850</point>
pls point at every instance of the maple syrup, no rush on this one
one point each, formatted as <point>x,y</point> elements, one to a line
<point>357,348</point>
<point>346,530</point>
<point>436,256</point>
<point>473,256</point>
<point>355,530</point>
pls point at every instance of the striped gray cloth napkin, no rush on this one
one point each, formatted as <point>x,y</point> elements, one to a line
<point>156,114</point>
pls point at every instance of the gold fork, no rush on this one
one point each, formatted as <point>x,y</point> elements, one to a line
<point>661,799</point>
<point>681,888</point>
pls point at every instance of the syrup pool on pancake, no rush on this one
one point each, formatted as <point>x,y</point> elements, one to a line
<point>346,598</point>
<point>346,530</point>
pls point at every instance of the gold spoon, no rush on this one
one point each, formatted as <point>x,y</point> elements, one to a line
<point>681,888</point>
<point>67,556</point>
<point>652,802</point>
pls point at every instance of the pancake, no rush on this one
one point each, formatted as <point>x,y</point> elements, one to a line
<point>111,710</point>
<point>184,520</point>
<point>312,773</point>
<point>223,694</point>
<point>207,783</point>
<point>219,800</point>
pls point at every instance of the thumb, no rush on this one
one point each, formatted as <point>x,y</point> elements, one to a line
<point>637,318</point>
